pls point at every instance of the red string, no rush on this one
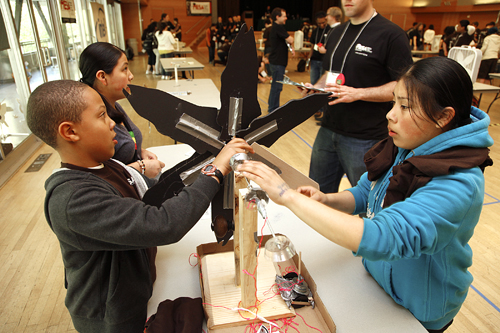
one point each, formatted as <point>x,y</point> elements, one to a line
<point>193,255</point>
<point>253,327</point>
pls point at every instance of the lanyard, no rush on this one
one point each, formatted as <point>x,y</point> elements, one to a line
<point>353,42</point>
<point>322,35</point>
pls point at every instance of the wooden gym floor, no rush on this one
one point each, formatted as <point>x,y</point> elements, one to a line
<point>31,270</point>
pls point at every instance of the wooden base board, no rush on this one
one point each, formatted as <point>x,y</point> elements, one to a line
<point>221,292</point>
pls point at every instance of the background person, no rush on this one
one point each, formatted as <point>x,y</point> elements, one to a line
<point>423,194</point>
<point>278,57</point>
<point>370,55</point>
<point>166,45</point>
<point>149,43</point>
<point>490,50</point>
<point>334,19</point>
<point>210,40</point>
<point>318,38</point>
<point>429,37</point>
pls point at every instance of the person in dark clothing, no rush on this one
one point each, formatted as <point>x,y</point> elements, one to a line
<point>367,54</point>
<point>416,37</point>
<point>210,40</point>
<point>149,43</point>
<point>223,52</point>
<point>177,31</point>
<point>166,18</point>
<point>444,43</point>
<point>93,205</point>
<point>462,36</point>
<point>268,24</point>
<point>318,38</point>
<point>278,58</point>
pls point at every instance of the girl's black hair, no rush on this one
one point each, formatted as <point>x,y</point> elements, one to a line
<point>439,82</point>
<point>162,26</point>
<point>101,56</point>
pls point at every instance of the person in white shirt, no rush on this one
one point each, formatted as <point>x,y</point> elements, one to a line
<point>429,37</point>
<point>491,50</point>
<point>166,45</point>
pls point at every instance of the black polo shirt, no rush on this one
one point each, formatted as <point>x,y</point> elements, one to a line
<point>279,49</point>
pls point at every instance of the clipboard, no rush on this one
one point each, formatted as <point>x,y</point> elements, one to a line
<point>288,81</point>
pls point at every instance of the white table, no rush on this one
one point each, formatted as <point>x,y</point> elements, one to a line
<point>485,88</point>
<point>202,92</point>
<point>422,52</point>
<point>183,50</point>
<point>497,96</point>
<point>301,50</point>
<point>182,64</point>
<point>354,300</point>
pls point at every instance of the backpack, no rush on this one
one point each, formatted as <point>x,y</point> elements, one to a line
<point>301,66</point>
<point>150,42</point>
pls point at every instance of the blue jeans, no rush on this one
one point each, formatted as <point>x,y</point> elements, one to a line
<point>333,155</point>
<point>166,55</point>
<point>316,70</point>
<point>276,87</point>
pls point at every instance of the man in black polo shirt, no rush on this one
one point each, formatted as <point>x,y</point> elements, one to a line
<point>279,55</point>
<point>369,53</point>
<point>318,38</point>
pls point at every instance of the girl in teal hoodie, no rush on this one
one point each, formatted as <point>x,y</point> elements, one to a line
<point>422,194</point>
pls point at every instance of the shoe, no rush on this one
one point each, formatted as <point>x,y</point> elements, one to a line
<point>148,72</point>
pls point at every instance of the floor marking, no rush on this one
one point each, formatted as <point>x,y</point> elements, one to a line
<point>38,163</point>
<point>485,298</point>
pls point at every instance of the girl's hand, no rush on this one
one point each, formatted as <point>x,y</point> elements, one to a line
<point>275,187</point>
<point>312,193</point>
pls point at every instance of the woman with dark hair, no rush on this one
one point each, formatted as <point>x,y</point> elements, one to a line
<point>149,43</point>
<point>104,67</point>
<point>177,32</point>
<point>444,43</point>
<point>422,194</point>
<point>416,39</point>
<point>166,42</point>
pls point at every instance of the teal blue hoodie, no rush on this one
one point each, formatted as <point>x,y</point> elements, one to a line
<point>417,249</point>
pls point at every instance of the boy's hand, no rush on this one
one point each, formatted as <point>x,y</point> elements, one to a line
<point>153,167</point>
<point>234,146</point>
<point>147,155</point>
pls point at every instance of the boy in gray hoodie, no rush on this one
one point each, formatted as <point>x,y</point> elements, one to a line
<point>93,206</point>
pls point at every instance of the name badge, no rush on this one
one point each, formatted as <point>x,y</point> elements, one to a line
<point>335,77</point>
<point>316,48</point>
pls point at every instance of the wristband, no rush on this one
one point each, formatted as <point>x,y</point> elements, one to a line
<point>142,165</point>
<point>211,170</point>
